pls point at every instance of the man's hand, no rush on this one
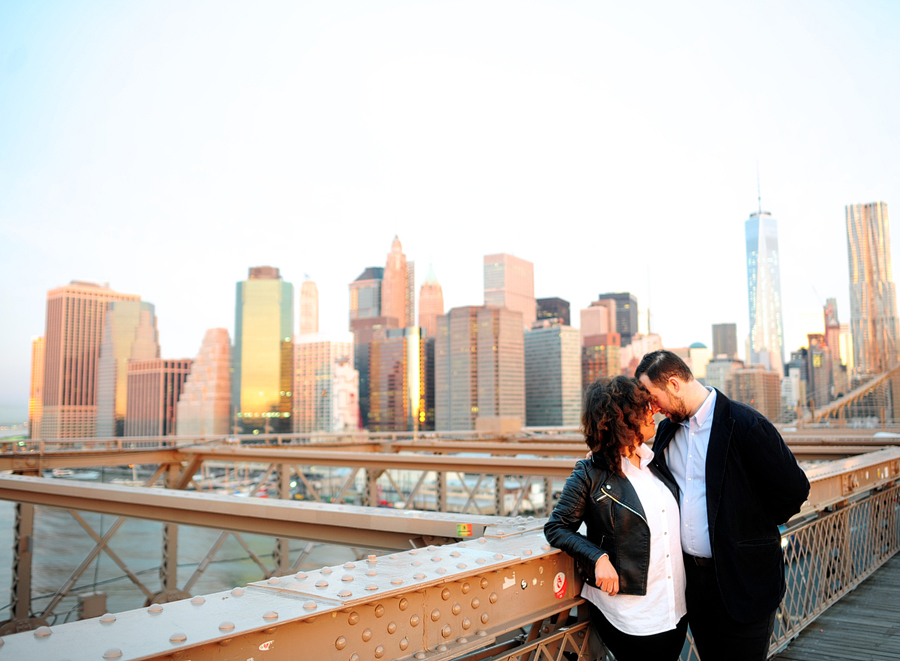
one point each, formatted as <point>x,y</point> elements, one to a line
<point>605,576</point>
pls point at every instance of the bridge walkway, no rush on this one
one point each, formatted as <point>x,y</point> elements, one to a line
<point>863,626</point>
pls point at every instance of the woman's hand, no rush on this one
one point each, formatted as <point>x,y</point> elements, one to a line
<point>605,576</point>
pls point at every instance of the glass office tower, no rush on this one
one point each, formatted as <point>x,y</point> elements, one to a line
<point>263,353</point>
<point>764,290</point>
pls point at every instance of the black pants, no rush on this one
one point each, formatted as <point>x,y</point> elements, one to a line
<point>717,636</point>
<point>665,646</point>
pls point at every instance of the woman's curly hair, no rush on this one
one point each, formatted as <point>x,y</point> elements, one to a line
<point>611,415</point>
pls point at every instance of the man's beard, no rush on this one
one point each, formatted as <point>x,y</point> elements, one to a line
<point>678,411</point>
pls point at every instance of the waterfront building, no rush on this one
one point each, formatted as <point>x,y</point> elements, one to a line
<point>626,318</point>
<point>204,407</point>
<point>479,367</point>
<point>819,372</point>
<point>630,356</point>
<point>365,295</point>
<point>600,357</point>
<point>431,304</point>
<point>758,387</point>
<point>725,341</point>
<point>309,308</point>
<point>345,397</point>
<point>320,364</point>
<point>873,296</point>
<point>552,375</point>
<point>839,376</point>
<point>718,369</point>
<point>553,308</point>
<point>398,368</point>
<point>36,398</point>
<point>366,331</point>
<point>154,387</point>
<point>509,283</point>
<point>398,298</point>
<point>766,340</point>
<point>263,353</point>
<point>76,314</point>
<point>598,319</point>
<point>698,358</point>
<point>129,333</point>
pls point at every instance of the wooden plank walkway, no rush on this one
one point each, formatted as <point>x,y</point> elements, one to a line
<point>863,626</point>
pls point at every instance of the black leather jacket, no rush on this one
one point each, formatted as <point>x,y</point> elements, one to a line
<point>615,520</point>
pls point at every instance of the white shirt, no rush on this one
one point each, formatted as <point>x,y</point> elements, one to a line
<point>686,458</point>
<point>664,604</point>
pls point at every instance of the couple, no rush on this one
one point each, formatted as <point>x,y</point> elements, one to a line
<point>651,569</point>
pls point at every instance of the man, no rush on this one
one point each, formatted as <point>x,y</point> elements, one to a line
<point>738,481</point>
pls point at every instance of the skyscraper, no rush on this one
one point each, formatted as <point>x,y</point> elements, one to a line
<point>204,407</point>
<point>309,308</point>
<point>398,298</point>
<point>757,387</point>
<point>553,308</point>
<point>873,296</point>
<point>764,291</point>
<point>431,304</point>
<point>600,342</point>
<point>365,295</point>
<point>263,352</point>
<point>626,314</point>
<point>129,333</point>
<point>397,381</point>
<point>509,283</point>
<point>36,400</point>
<point>154,387</point>
<point>479,366</point>
<point>840,379</point>
<point>317,362</point>
<point>725,340</point>
<point>76,314</point>
<point>552,376</point>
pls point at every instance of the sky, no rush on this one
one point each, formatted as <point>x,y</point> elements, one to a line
<point>166,147</point>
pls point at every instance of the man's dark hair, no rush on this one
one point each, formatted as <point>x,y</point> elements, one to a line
<point>660,366</point>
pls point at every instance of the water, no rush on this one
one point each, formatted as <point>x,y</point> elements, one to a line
<point>61,544</point>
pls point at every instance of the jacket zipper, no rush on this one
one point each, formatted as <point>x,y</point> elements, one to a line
<point>616,500</point>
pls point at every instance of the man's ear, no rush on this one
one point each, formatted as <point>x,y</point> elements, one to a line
<point>675,384</point>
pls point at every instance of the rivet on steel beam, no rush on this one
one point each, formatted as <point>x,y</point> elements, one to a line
<point>435,615</point>
<point>493,598</point>
<point>414,552</point>
<point>237,592</point>
<point>403,605</point>
<point>498,556</point>
<point>379,652</point>
<point>366,635</point>
<point>436,558</point>
<point>414,621</point>
<point>455,554</point>
<point>432,548</point>
<point>481,632</point>
<point>441,570</point>
<point>545,547</point>
<point>198,601</point>
<point>441,648</point>
<point>354,657</point>
<point>456,608</point>
<point>476,602</point>
<point>404,644</point>
<point>484,583</point>
<point>226,626</point>
<point>270,615</point>
<point>482,540</point>
<point>393,556</point>
<point>392,627</point>
<point>419,655</point>
<point>155,609</point>
<point>481,561</point>
<point>371,572</point>
<point>109,618</point>
<point>226,642</point>
<point>372,558</point>
<point>343,594</point>
<point>42,632</point>
<point>466,623</point>
<point>327,570</point>
<point>462,544</point>
<point>379,610</point>
<point>484,618</point>
<point>417,563</point>
<point>462,640</point>
<point>178,637</point>
<point>445,594</point>
<point>465,588</point>
<point>446,631</point>
<point>340,643</point>
<point>461,565</point>
<point>112,653</point>
<point>419,576</point>
<point>371,587</point>
<point>310,605</point>
<point>397,581</point>
<point>301,576</point>
<point>501,532</point>
<point>274,581</point>
<point>526,552</point>
<point>322,584</point>
<point>520,527</point>
<point>346,578</point>
<point>353,618</point>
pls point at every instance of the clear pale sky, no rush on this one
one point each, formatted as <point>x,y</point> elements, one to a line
<point>165,147</point>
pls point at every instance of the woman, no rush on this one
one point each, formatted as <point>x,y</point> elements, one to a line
<point>631,556</point>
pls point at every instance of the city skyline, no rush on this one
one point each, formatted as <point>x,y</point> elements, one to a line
<point>311,147</point>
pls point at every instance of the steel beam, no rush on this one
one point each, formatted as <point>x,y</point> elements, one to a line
<point>379,528</point>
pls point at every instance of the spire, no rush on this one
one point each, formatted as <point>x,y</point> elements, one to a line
<point>758,193</point>
<point>431,277</point>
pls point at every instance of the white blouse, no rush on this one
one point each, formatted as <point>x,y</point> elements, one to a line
<point>664,604</point>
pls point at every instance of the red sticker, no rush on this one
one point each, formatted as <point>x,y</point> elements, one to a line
<point>559,585</point>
